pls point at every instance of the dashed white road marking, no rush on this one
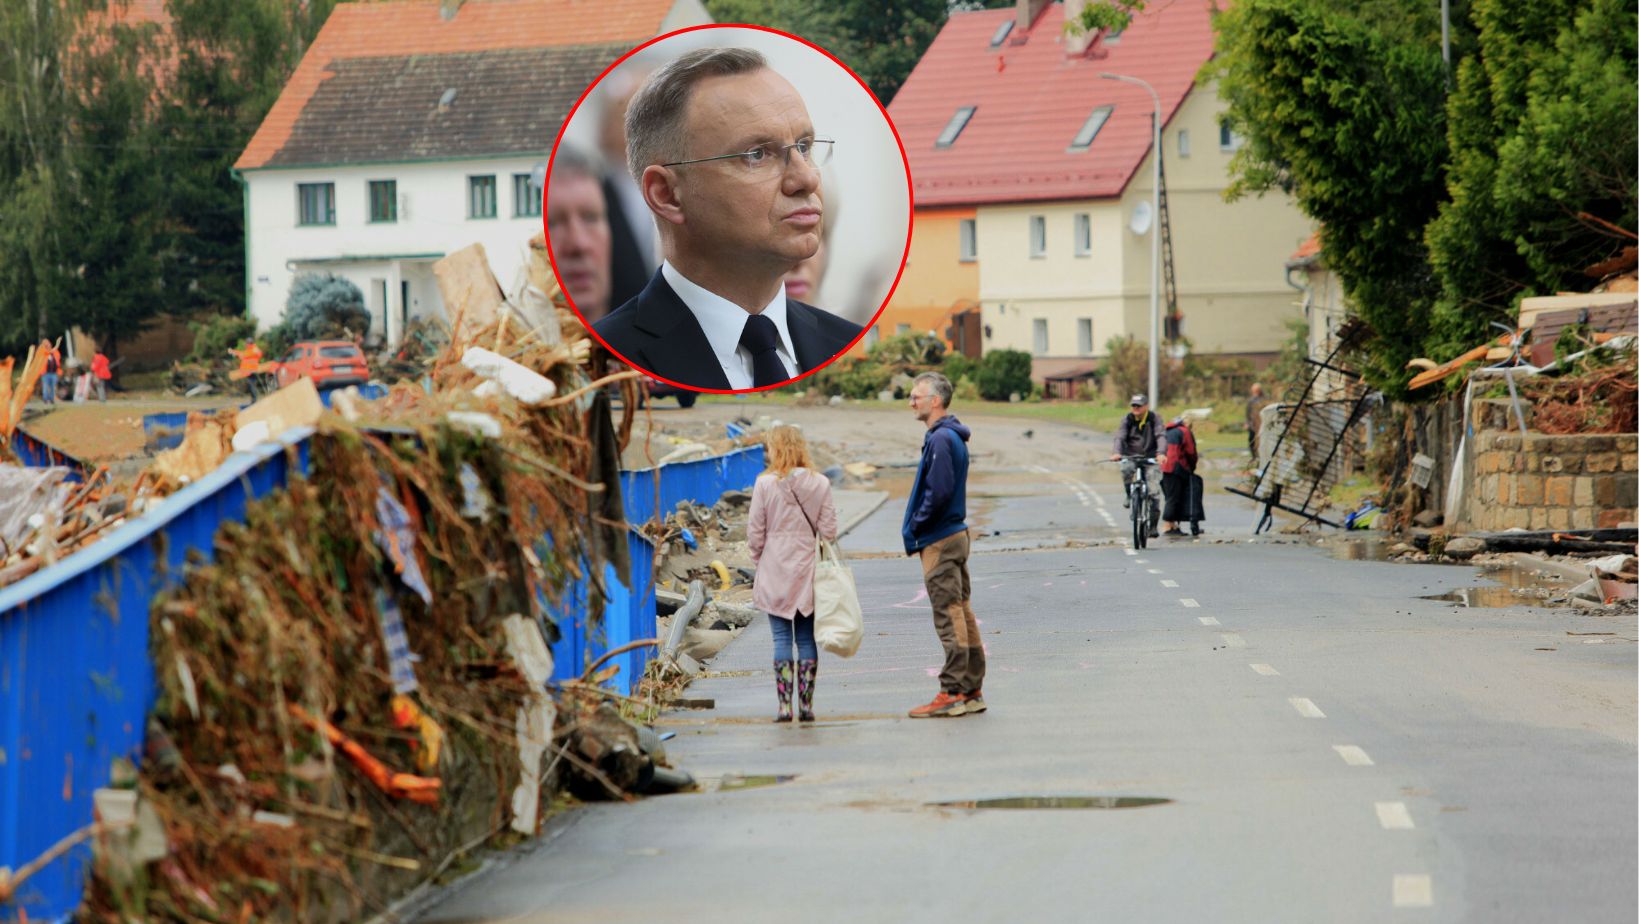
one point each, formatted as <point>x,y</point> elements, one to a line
<point>1130,551</point>
<point>1394,816</point>
<point>1353,756</point>
<point>1141,561</point>
<point>1171,584</point>
<point>1233,640</point>
<point>1155,570</point>
<point>1043,469</point>
<point>1413,890</point>
<point>1209,620</point>
<point>1188,602</point>
<point>1265,670</point>
<point>1306,707</point>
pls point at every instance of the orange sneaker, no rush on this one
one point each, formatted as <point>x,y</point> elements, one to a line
<point>943,705</point>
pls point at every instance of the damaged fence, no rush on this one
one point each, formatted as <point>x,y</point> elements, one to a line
<point>75,676</point>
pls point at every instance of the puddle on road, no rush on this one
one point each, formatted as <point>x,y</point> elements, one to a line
<point>1513,588</point>
<point>1056,802</point>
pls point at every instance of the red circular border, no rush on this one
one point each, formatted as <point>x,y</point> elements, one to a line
<point>910,201</point>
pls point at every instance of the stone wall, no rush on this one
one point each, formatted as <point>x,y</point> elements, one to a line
<point>1538,481</point>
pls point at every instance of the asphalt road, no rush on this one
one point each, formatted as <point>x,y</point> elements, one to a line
<point>1334,749</point>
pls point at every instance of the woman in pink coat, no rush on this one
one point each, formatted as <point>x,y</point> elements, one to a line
<point>791,508</point>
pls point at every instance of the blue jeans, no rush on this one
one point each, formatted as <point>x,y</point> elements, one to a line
<point>48,387</point>
<point>782,629</point>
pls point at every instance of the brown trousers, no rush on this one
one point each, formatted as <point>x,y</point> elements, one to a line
<point>944,571</point>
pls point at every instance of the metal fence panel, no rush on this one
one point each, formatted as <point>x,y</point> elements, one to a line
<point>75,677</point>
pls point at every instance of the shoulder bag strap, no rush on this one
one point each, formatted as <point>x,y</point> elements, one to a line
<point>793,492</point>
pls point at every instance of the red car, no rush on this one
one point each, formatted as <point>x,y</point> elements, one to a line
<point>329,363</point>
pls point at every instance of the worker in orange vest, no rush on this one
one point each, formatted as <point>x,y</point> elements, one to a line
<point>101,372</point>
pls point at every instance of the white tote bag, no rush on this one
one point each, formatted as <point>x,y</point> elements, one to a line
<point>839,625</point>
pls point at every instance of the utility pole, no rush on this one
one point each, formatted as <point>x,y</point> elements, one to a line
<point>1155,237</point>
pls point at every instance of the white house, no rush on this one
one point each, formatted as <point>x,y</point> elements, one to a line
<point>415,128</point>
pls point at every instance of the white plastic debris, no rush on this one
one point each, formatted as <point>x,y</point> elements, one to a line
<point>476,423</point>
<point>521,382</point>
<point>534,719</point>
<point>251,435</point>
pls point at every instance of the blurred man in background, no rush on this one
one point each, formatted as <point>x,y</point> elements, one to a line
<point>577,228</point>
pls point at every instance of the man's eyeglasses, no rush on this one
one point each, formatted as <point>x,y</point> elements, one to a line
<point>816,152</point>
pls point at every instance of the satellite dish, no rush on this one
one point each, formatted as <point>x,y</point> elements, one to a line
<point>1140,223</point>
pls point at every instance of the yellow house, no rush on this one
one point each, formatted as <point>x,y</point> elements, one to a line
<point>1008,117</point>
<point>938,291</point>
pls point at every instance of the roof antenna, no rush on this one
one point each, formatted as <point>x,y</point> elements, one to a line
<point>447,99</point>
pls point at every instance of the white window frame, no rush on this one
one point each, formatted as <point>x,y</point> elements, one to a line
<point>1084,234</point>
<point>1084,335</point>
<point>1038,237</point>
<point>1183,142</point>
<point>967,243</point>
<point>1038,336</point>
<point>1229,140</point>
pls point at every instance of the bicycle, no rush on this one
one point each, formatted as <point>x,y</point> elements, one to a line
<point>1145,506</point>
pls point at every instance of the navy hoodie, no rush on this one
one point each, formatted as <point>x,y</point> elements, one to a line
<point>938,503</point>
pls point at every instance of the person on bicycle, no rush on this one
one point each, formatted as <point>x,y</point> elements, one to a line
<point>1138,435</point>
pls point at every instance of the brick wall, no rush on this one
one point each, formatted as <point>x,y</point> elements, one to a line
<point>1538,481</point>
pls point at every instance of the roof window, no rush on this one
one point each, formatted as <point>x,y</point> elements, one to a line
<point>955,126</point>
<point>1089,129</point>
<point>1001,33</point>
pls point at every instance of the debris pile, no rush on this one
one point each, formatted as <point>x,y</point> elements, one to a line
<point>356,690</point>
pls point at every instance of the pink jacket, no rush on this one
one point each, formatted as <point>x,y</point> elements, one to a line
<point>783,544</point>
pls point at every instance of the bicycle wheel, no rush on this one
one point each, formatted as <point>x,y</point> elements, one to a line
<point>1141,520</point>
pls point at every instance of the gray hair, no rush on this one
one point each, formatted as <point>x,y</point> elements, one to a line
<point>572,161</point>
<point>938,385</point>
<point>656,116</point>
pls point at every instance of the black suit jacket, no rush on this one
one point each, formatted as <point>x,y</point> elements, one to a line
<point>628,267</point>
<point>658,333</point>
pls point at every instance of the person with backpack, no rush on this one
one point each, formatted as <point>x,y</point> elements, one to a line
<point>791,510</point>
<point>1179,481</point>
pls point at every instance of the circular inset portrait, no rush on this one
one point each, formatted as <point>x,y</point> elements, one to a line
<point>728,208</point>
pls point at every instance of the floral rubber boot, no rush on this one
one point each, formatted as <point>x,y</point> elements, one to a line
<point>783,678</point>
<point>807,671</point>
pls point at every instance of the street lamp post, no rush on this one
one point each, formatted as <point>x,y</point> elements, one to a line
<point>1155,237</point>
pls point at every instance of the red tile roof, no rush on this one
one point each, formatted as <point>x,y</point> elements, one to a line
<point>1032,100</point>
<point>415,27</point>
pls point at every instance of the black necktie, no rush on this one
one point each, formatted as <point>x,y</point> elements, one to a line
<point>760,337</point>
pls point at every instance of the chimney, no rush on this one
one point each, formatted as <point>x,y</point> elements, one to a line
<point>1028,10</point>
<point>1076,45</point>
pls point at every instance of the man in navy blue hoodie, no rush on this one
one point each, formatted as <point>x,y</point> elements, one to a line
<point>935,528</point>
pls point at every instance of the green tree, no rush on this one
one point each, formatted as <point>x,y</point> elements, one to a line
<point>324,307</point>
<point>1347,115</point>
<point>1541,130</point>
<point>232,60</point>
<point>35,104</point>
<point>114,227</point>
<point>881,42</point>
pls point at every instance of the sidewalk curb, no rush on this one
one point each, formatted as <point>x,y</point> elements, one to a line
<point>1571,572</point>
<point>846,528</point>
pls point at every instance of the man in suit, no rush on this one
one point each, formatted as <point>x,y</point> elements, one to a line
<point>728,162</point>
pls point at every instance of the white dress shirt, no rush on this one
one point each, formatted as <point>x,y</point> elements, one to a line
<point>723,321</point>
